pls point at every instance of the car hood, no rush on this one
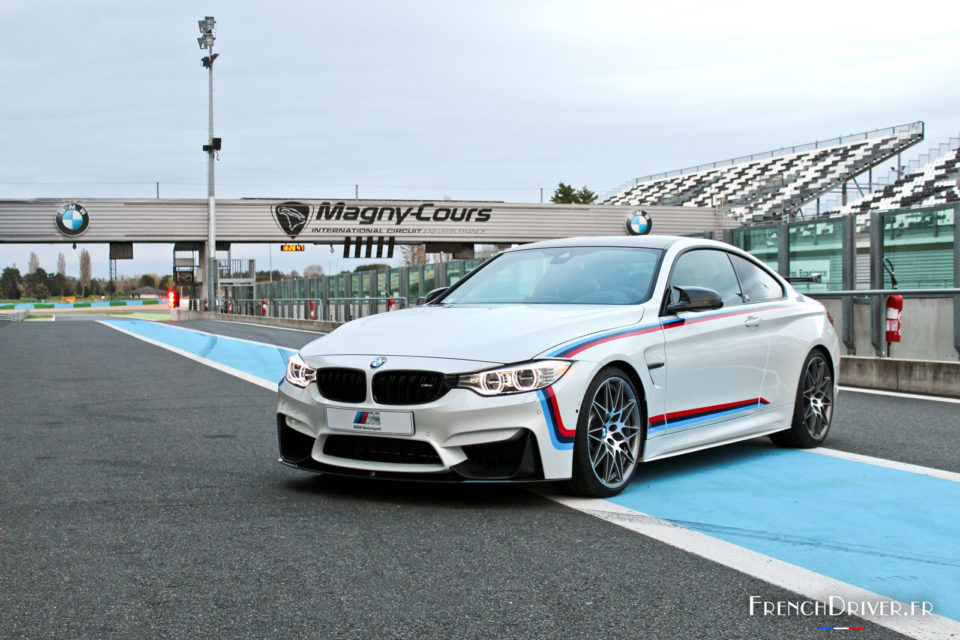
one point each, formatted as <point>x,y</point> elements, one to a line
<point>495,334</point>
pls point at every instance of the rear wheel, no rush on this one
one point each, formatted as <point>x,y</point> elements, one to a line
<point>813,408</point>
<point>609,437</point>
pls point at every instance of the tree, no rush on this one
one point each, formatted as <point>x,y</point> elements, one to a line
<point>35,284</point>
<point>34,262</point>
<point>585,196</point>
<point>565,194</point>
<point>166,282</point>
<point>148,280</point>
<point>11,283</point>
<point>264,276</point>
<point>85,269</point>
<point>313,271</point>
<point>57,284</point>
<point>413,254</point>
<point>62,264</point>
<point>371,267</point>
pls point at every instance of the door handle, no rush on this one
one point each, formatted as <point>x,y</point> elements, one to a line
<point>753,321</point>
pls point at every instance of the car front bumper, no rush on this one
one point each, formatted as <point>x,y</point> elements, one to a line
<point>462,436</point>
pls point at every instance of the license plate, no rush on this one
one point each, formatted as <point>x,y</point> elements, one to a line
<point>392,422</point>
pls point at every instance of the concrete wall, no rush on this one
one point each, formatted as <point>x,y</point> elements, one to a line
<point>909,376</point>
<point>14,316</point>
<point>927,330</point>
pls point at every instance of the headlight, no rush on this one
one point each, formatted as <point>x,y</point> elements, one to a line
<point>514,379</point>
<point>298,373</point>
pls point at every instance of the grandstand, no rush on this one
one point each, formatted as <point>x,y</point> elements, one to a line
<point>931,179</point>
<point>768,185</point>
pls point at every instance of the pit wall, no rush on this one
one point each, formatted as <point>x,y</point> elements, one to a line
<point>927,330</point>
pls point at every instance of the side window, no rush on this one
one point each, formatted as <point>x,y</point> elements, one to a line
<point>707,268</point>
<point>757,284</point>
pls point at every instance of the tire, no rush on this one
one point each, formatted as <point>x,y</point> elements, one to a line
<point>813,408</point>
<point>610,434</point>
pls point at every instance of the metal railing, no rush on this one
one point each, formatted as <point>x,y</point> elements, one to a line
<point>236,269</point>
<point>320,309</point>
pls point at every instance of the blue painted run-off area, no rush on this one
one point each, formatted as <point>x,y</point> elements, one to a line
<point>892,532</point>
<point>262,361</point>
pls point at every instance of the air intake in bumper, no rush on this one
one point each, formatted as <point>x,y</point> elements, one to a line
<point>376,449</point>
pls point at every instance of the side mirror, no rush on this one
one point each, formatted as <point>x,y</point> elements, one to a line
<point>433,295</point>
<point>694,299</point>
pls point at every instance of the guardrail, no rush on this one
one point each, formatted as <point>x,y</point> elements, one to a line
<point>876,299</point>
<point>327,309</point>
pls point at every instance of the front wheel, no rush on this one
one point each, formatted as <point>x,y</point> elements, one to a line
<point>609,437</point>
<point>813,408</point>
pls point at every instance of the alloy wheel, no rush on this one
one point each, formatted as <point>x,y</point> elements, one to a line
<point>614,432</point>
<point>817,397</point>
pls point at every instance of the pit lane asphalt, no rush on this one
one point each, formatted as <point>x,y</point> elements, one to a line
<point>141,498</point>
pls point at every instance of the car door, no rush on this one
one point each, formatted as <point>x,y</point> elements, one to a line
<point>766,297</point>
<point>715,359</point>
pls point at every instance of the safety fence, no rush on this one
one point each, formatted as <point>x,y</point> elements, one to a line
<point>327,309</point>
<point>903,265</point>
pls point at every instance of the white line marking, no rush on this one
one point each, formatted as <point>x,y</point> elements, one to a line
<point>243,375</point>
<point>890,464</point>
<point>263,326</point>
<point>777,572</point>
<point>898,394</point>
<point>217,335</point>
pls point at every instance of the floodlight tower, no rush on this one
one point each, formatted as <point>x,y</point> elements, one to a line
<point>213,145</point>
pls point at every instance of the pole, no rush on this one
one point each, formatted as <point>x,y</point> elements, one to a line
<point>211,203</point>
<point>158,191</point>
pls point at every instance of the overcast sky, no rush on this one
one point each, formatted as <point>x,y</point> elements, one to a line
<point>481,100</point>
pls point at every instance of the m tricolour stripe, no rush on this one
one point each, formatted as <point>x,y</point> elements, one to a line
<point>237,373</point>
<point>582,344</point>
<point>782,574</point>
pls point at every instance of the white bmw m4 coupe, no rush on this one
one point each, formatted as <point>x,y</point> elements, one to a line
<point>573,360</point>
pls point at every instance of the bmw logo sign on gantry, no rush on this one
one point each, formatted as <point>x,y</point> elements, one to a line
<point>639,223</point>
<point>72,219</point>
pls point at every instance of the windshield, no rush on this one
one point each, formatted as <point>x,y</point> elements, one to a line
<point>562,275</point>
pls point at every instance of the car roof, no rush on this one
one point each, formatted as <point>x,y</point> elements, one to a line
<point>643,242</point>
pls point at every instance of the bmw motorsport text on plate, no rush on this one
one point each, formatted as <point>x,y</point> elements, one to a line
<point>568,360</point>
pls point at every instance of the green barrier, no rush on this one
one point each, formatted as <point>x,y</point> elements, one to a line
<point>6,307</point>
<point>38,305</point>
<point>118,303</point>
<point>81,305</point>
<point>146,302</point>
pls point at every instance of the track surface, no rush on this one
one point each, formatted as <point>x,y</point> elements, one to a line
<point>141,498</point>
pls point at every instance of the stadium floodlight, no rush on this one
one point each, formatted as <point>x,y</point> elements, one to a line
<point>206,42</point>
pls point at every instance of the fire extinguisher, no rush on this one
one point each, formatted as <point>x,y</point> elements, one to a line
<point>263,308</point>
<point>390,304</point>
<point>894,308</point>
